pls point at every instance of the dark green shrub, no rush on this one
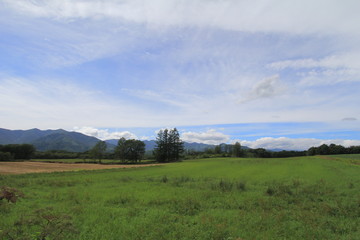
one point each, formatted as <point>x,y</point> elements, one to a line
<point>5,156</point>
<point>241,186</point>
<point>164,179</point>
<point>43,224</point>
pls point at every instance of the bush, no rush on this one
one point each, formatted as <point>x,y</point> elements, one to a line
<point>223,185</point>
<point>10,194</point>
<point>5,156</point>
<point>42,224</point>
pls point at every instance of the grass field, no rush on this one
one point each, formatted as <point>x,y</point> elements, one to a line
<point>224,198</point>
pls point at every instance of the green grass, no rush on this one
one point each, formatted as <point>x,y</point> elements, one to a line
<point>223,198</point>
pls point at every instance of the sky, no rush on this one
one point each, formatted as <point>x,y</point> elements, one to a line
<point>273,74</point>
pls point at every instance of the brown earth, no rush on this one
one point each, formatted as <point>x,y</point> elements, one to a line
<point>37,167</point>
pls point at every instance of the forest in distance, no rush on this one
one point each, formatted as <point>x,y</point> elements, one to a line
<point>168,148</point>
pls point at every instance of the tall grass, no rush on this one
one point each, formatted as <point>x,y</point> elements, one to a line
<point>229,198</point>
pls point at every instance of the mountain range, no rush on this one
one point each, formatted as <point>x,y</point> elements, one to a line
<point>44,140</point>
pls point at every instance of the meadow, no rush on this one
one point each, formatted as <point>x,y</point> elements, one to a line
<point>222,198</point>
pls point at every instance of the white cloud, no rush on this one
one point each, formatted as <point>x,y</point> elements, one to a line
<point>330,16</point>
<point>328,70</point>
<point>193,69</point>
<point>266,88</point>
<point>29,103</point>
<point>104,134</point>
<point>209,137</point>
<point>349,119</point>
<point>294,143</point>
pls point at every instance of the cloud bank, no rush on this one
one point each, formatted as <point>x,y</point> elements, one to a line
<point>295,144</point>
<point>209,137</point>
<point>135,63</point>
<point>104,134</point>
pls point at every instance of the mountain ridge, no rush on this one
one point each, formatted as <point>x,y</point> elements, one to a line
<point>60,139</point>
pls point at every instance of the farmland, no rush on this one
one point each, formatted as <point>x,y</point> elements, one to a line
<point>221,198</point>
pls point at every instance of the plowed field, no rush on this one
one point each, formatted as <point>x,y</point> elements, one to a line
<point>37,167</point>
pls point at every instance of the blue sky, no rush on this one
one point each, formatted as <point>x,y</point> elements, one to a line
<point>266,73</point>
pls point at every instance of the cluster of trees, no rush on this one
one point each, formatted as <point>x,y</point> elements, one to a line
<point>332,149</point>
<point>129,150</point>
<point>16,151</point>
<point>169,146</point>
<point>60,154</point>
<point>236,150</point>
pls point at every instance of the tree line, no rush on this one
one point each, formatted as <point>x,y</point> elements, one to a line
<point>169,148</point>
<point>16,152</point>
<point>333,149</point>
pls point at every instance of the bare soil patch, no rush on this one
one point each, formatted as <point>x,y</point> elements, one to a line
<point>38,167</point>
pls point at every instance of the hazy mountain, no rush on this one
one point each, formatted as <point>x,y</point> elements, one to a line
<point>112,141</point>
<point>68,141</point>
<point>197,146</point>
<point>24,136</point>
<point>60,139</point>
<point>44,140</point>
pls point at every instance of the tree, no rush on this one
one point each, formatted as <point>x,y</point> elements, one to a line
<point>176,145</point>
<point>98,151</point>
<point>169,146</point>
<point>236,150</point>
<point>120,150</point>
<point>18,151</point>
<point>132,150</point>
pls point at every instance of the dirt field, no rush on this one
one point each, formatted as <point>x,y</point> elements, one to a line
<point>37,167</point>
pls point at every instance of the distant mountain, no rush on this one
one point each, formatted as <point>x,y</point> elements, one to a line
<point>68,141</point>
<point>60,139</point>
<point>24,136</point>
<point>112,141</point>
<point>200,147</point>
<point>150,145</point>
<point>44,140</point>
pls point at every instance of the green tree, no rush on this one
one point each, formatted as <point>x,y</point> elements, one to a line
<point>130,150</point>
<point>176,145</point>
<point>98,151</point>
<point>169,146</point>
<point>236,150</point>
<point>134,150</point>
<point>19,151</point>
<point>120,150</point>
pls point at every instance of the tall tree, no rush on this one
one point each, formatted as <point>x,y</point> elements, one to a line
<point>134,150</point>
<point>98,151</point>
<point>130,150</point>
<point>236,150</point>
<point>169,146</point>
<point>120,150</point>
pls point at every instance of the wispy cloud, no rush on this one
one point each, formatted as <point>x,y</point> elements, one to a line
<point>267,88</point>
<point>266,16</point>
<point>136,63</point>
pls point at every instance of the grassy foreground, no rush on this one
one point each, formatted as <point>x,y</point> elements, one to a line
<point>224,198</point>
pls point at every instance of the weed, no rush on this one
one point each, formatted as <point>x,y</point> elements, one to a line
<point>241,186</point>
<point>164,179</point>
<point>43,224</point>
<point>225,185</point>
<point>178,181</point>
<point>187,206</point>
<point>10,194</point>
<point>121,200</point>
